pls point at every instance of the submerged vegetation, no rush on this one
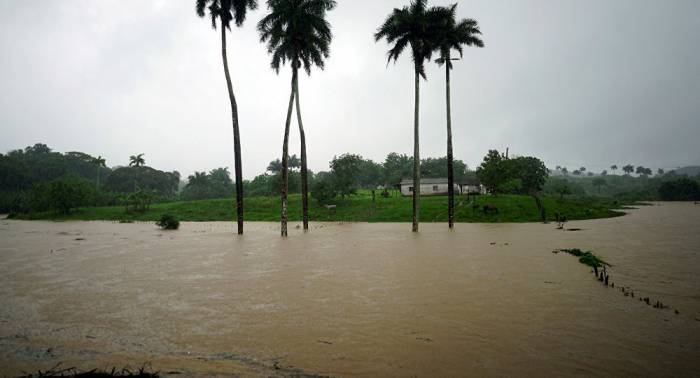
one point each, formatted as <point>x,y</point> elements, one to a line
<point>586,258</point>
<point>168,222</point>
<point>56,371</point>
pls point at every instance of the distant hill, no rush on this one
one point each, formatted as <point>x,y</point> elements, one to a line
<point>691,171</point>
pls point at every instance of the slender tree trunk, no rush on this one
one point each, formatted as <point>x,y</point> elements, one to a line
<point>540,207</point>
<point>285,156</point>
<point>236,136</point>
<point>304,170</point>
<point>416,156</point>
<point>450,162</point>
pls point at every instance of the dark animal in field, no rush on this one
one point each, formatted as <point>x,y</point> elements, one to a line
<point>490,209</point>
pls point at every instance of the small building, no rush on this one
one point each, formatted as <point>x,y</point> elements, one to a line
<point>471,186</point>
<point>428,187</point>
<point>438,187</point>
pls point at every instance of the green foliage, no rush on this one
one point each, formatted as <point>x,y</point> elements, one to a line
<point>521,175</point>
<point>345,170</point>
<point>138,201</point>
<point>512,186</point>
<point>493,172</point>
<point>451,35</point>
<point>599,182</point>
<point>437,168</point>
<point>62,195</point>
<point>168,222</point>
<point>370,175</point>
<point>531,171</point>
<point>642,171</point>
<point>358,208</point>
<point>136,161</point>
<point>624,188</point>
<point>130,179</point>
<point>275,166</point>
<point>225,11</point>
<point>323,189</point>
<point>399,166</point>
<point>21,170</point>
<point>586,258</point>
<point>297,31</point>
<point>216,184</point>
<point>416,26</point>
<point>682,189</point>
<point>271,184</point>
<point>560,186</point>
<point>396,167</point>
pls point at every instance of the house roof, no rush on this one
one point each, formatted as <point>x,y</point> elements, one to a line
<point>439,180</point>
<point>425,181</point>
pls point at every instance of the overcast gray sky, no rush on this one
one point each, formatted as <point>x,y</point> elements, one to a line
<point>575,83</point>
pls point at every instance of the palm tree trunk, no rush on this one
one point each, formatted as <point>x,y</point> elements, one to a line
<point>236,136</point>
<point>450,162</point>
<point>304,170</point>
<point>540,207</point>
<point>416,156</point>
<point>285,156</point>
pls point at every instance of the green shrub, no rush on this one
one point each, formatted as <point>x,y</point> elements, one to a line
<point>323,191</point>
<point>168,222</point>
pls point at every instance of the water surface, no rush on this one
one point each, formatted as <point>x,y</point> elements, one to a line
<point>353,299</point>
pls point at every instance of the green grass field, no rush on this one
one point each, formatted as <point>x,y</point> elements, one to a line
<point>357,208</point>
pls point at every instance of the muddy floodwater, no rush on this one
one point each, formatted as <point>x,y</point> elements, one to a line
<point>354,299</point>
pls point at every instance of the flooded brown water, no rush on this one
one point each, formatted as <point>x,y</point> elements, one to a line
<point>353,299</point>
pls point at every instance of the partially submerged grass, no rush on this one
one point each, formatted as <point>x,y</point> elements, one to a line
<point>142,372</point>
<point>586,258</point>
<point>359,208</point>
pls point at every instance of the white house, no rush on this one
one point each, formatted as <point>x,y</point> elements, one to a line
<point>468,186</point>
<point>438,187</point>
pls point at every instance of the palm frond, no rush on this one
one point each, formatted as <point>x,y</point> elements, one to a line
<point>225,11</point>
<point>452,35</point>
<point>297,31</point>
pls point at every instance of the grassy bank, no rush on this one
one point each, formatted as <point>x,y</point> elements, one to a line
<point>358,208</point>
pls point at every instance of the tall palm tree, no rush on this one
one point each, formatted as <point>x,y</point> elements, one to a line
<point>225,11</point>
<point>136,160</point>
<point>452,36</point>
<point>413,25</point>
<point>296,31</point>
<point>100,163</point>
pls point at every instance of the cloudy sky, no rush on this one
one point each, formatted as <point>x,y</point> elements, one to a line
<point>575,83</point>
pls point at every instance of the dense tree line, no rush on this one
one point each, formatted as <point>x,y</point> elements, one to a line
<point>668,186</point>
<point>215,184</point>
<point>37,179</point>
